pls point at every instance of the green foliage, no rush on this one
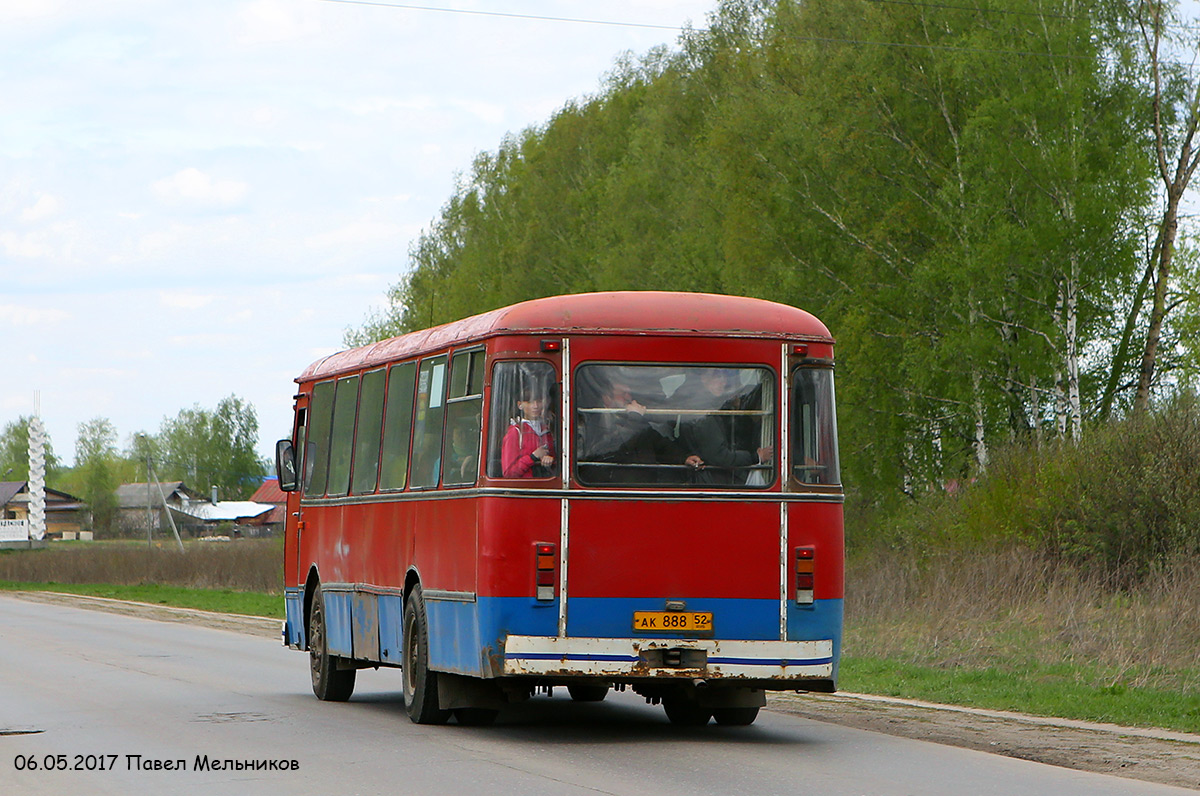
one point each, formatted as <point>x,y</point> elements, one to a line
<point>225,601</point>
<point>1122,501</point>
<point>207,448</point>
<point>95,471</point>
<point>963,202</point>
<point>1065,691</point>
<point>14,453</point>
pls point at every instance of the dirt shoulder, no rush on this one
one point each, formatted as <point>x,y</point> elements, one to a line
<point>1152,755</point>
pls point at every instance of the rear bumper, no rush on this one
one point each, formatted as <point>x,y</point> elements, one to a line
<point>654,658</point>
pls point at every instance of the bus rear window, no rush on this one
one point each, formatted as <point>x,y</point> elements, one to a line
<point>648,425</point>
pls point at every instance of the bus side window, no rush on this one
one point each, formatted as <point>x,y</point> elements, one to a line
<point>428,422</point>
<point>367,435</point>
<point>521,420</point>
<point>341,441</point>
<point>316,454</point>
<point>460,456</point>
<point>397,426</point>
<point>814,453</point>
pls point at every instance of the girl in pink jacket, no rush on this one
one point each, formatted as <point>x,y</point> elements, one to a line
<point>528,447</point>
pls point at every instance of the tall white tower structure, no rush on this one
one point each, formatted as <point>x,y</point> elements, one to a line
<point>37,475</point>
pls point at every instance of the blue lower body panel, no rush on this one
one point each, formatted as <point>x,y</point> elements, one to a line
<point>469,637</point>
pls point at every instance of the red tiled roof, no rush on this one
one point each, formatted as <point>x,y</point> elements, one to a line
<point>269,492</point>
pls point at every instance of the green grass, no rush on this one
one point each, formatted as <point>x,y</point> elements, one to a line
<point>1039,690</point>
<point>220,600</point>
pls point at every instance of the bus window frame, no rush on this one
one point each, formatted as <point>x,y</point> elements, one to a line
<point>392,369</point>
<point>556,405</point>
<point>774,479</point>
<point>441,433</point>
<point>794,484</point>
<point>450,400</point>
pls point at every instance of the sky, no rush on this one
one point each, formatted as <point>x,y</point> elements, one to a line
<point>198,199</point>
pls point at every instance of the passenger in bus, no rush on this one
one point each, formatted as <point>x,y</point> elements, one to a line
<point>613,440</point>
<point>464,451</point>
<point>528,449</point>
<point>715,437</point>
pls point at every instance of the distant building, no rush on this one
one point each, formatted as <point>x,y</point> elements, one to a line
<point>194,514</point>
<point>141,505</point>
<point>270,492</point>
<point>64,513</point>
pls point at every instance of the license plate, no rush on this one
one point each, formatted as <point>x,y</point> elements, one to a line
<point>672,621</point>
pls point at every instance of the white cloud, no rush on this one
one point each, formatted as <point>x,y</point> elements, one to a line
<point>357,233</point>
<point>273,21</point>
<point>193,185</point>
<point>55,242</point>
<point>18,315</point>
<point>43,208</point>
<point>184,300</point>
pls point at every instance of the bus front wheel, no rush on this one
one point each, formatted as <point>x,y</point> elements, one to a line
<point>420,684</point>
<point>329,683</point>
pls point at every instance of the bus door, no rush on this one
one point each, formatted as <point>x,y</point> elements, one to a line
<point>672,531</point>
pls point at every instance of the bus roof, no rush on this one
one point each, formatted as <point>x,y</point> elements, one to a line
<point>634,312</point>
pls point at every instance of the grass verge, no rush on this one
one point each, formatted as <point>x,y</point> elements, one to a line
<point>221,600</point>
<point>1061,691</point>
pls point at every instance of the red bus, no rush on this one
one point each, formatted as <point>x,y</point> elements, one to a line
<point>634,490</point>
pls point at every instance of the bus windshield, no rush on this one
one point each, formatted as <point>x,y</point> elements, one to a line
<point>650,425</point>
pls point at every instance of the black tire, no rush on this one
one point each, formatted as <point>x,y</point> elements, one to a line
<point>420,684</point>
<point>685,712</point>
<point>735,717</point>
<point>588,693</point>
<point>329,683</point>
<point>475,717</point>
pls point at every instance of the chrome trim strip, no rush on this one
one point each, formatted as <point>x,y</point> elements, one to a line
<point>364,588</point>
<point>783,570</point>
<point>564,535</point>
<point>564,437</point>
<point>445,595</point>
<point>783,455</point>
<point>589,494</point>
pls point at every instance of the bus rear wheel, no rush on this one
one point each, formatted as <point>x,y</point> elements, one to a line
<point>329,683</point>
<point>420,684</point>
<point>735,717</point>
<point>686,712</point>
<point>588,693</point>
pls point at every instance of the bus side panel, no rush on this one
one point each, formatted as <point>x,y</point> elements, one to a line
<point>338,636</point>
<point>468,638</point>
<point>510,527</point>
<point>391,628</point>
<point>820,526</point>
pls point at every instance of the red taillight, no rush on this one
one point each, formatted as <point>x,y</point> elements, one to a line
<point>550,346</point>
<point>805,574</point>
<point>545,562</point>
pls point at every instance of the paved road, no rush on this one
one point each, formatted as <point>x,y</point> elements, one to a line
<point>81,683</point>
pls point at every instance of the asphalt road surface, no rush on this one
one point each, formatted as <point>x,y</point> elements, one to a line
<point>96,703</point>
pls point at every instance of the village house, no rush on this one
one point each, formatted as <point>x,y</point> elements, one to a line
<point>66,515</point>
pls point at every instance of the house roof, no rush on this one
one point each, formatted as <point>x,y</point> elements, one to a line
<point>269,492</point>
<point>131,496</point>
<point>223,511</point>
<point>57,499</point>
<point>9,490</point>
